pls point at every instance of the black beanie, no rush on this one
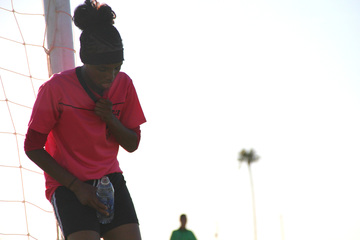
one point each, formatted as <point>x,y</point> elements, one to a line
<point>101,45</point>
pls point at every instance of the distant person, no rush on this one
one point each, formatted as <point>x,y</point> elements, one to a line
<point>182,233</point>
<point>82,116</point>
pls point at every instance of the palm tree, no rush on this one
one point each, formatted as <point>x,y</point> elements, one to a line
<point>250,157</point>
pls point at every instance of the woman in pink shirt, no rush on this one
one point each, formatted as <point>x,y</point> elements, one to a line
<point>82,116</point>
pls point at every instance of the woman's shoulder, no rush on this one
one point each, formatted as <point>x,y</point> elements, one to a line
<point>124,77</point>
<point>61,78</point>
<point>123,80</point>
<point>59,82</point>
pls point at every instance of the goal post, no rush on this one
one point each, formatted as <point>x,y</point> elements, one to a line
<point>36,41</point>
<point>59,35</point>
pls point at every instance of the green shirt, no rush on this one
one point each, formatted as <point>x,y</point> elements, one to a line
<point>182,235</point>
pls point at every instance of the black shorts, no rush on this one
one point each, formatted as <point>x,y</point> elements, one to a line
<point>72,216</point>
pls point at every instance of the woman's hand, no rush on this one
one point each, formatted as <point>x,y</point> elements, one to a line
<point>103,108</point>
<point>124,136</point>
<point>86,194</point>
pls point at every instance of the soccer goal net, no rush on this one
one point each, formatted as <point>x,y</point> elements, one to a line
<point>35,41</point>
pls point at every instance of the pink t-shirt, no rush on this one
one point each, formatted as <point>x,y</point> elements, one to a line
<point>78,139</point>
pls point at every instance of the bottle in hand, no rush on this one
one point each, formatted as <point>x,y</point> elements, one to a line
<point>105,193</point>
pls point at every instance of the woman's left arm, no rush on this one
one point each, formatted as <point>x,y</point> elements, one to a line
<point>127,138</point>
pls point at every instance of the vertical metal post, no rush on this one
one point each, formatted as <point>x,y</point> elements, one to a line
<point>60,44</point>
<point>59,35</point>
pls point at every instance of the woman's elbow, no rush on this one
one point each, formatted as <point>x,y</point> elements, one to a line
<point>132,149</point>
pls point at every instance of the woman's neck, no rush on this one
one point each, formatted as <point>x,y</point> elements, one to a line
<point>90,83</point>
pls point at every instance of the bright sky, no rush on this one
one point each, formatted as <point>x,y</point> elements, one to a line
<point>214,77</point>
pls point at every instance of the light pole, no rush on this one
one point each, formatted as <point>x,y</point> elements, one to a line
<point>250,157</point>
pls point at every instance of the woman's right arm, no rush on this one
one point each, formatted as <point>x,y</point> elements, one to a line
<point>84,192</point>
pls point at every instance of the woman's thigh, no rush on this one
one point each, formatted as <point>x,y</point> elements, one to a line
<point>72,216</point>
<point>84,235</point>
<point>129,231</point>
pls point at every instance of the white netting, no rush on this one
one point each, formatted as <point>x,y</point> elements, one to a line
<point>25,212</point>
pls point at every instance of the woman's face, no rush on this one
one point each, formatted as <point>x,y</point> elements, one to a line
<point>102,75</point>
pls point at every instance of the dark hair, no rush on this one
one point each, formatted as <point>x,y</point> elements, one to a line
<point>93,14</point>
<point>100,41</point>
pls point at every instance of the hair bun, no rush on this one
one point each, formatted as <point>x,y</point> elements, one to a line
<point>93,14</point>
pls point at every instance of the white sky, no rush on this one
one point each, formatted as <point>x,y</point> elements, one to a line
<point>215,77</point>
